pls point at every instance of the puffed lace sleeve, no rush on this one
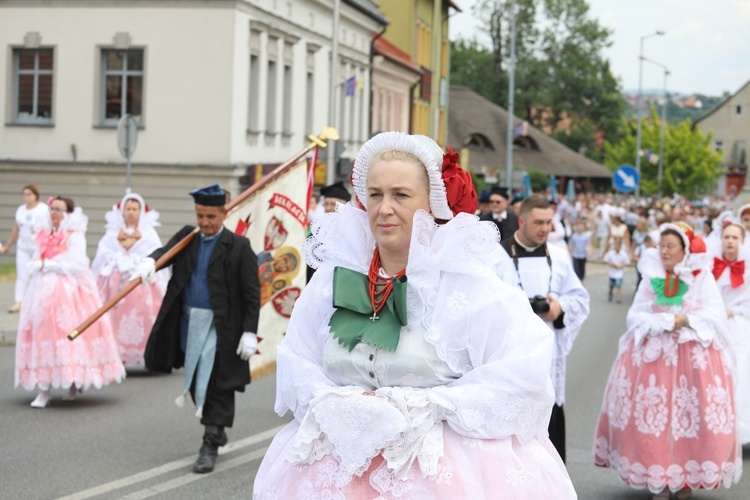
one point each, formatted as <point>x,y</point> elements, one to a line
<point>106,254</point>
<point>299,357</point>
<point>74,260</point>
<point>707,316</point>
<point>506,390</point>
<point>574,300</point>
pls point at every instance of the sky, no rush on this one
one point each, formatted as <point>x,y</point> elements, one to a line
<point>706,46</point>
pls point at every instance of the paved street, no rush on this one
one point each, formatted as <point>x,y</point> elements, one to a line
<point>131,441</point>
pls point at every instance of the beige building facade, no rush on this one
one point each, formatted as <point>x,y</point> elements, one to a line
<point>222,90</point>
<point>729,124</point>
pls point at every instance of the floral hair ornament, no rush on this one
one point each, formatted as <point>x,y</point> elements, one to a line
<point>50,200</point>
<point>693,243</point>
<point>459,187</point>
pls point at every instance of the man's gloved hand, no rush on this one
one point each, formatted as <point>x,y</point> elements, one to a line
<point>248,345</point>
<point>146,270</point>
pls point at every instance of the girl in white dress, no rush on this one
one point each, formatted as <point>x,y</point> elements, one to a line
<point>27,216</point>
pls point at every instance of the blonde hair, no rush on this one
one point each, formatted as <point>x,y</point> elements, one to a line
<point>405,156</point>
<point>742,229</point>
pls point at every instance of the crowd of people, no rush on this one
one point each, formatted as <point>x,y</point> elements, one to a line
<point>428,350</point>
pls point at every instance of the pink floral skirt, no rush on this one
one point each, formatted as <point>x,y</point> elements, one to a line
<point>470,469</point>
<point>53,306</point>
<point>668,417</point>
<point>133,317</point>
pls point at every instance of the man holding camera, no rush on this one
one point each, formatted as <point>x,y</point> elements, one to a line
<point>555,293</point>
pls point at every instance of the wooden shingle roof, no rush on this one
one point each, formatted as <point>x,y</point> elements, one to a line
<point>470,114</point>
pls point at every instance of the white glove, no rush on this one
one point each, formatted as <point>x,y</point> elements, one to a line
<point>34,266</point>
<point>146,270</point>
<point>52,266</point>
<point>248,345</point>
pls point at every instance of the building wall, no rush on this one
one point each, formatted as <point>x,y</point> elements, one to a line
<point>187,82</point>
<point>197,89</point>
<point>730,126</point>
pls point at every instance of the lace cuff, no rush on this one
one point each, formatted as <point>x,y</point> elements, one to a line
<point>422,438</point>
<point>352,427</point>
<point>655,324</point>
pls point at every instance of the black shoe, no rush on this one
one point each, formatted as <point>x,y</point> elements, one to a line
<point>212,439</point>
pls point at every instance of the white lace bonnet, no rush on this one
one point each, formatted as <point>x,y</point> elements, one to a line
<point>424,148</point>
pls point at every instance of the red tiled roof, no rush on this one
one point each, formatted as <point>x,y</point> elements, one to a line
<point>387,49</point>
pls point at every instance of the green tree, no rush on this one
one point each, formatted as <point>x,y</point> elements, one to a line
<point>691,166</point>
<point>560,68</point>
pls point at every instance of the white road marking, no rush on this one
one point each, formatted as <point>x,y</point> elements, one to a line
<point>177,464</point>
<point>191,477</point>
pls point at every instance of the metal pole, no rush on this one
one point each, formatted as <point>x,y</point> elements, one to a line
<point>640,125</point>
<point>663,130</point>
<point>128,150</point>
<point>333,90</point>
<point>640,118</point>
<point>511,92</point>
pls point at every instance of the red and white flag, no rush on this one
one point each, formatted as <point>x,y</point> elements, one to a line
<point>274,219</point>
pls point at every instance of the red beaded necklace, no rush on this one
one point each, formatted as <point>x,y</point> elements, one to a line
<point>671,285</point>
<point>380,288</point>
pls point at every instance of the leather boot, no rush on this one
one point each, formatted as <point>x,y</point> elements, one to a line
<point>212,439</point>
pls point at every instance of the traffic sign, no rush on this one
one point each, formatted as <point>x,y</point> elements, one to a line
<point>127,135</point>
<point>626,178</point>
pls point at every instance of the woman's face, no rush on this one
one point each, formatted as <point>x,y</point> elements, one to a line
<point>396,189</point>
<point>671,251</point>
<point>29,198</point>
<point>57,211</point>
<point>132,212</point>
<point>731,241</point>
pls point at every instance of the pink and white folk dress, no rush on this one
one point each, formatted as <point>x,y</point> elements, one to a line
<point>133,317</point>
<point>668,417</point>
<point>59,297</point>
<point>461,406</point>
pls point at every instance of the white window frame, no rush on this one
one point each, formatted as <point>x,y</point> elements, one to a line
<point>36,72</point>
<point>124,73</point>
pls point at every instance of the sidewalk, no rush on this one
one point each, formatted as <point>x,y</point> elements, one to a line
<point>8,322</point>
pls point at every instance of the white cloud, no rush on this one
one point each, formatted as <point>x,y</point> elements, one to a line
<point>706,46</point>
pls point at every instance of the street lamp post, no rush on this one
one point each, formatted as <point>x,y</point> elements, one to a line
<point>638,111</point>
<point>511,92</point>
<point>660,174</point>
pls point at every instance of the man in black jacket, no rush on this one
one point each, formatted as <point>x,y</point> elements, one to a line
<point>209,318</point>
<point>501,215</point>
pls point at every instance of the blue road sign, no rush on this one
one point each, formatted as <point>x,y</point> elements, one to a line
<point>625,178</point>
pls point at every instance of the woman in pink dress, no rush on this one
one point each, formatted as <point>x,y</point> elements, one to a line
<point>668,418</point>
<point>62,293</point>
<point>130,237</point>
<point>412,370</point>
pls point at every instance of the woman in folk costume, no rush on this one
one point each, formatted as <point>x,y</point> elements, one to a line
<point>713,240</point>
<point>130,237</point>
<point>668,416</point>
<point>412,370</point>
<point>733,277</point>
<point>743,216</point>
<point>62,293</point>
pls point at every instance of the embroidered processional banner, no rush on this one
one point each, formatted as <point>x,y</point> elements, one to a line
<point>274,219</point>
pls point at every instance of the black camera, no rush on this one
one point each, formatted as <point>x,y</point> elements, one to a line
<point>539,304</point>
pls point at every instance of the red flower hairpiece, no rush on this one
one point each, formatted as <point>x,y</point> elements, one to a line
<point>697,245</point>
<point>459,187</point>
